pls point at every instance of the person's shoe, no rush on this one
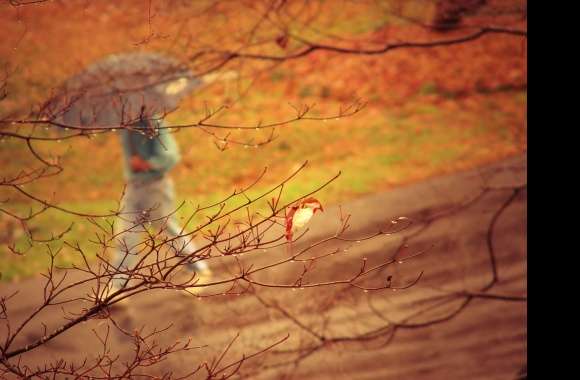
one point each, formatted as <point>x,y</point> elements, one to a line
<point>203,275</point>
<point>109,289</point>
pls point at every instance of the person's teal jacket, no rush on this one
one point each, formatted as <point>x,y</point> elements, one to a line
<point>160,150</point>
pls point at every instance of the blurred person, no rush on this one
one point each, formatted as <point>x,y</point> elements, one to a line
<point>149,152</point>
<point>131,90</point>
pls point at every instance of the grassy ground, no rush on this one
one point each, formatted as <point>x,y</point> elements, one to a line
<point>375,150</point>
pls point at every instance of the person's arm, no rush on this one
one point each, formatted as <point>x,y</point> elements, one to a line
<point>130,146</point>
<point>138,164</point>
<point>165,152</point>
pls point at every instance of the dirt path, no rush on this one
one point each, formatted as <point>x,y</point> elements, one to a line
<point>485,340</point>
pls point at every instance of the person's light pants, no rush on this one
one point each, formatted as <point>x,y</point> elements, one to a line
<point>145,205</point>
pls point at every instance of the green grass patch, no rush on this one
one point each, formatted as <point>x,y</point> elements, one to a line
<point>375,150</point>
